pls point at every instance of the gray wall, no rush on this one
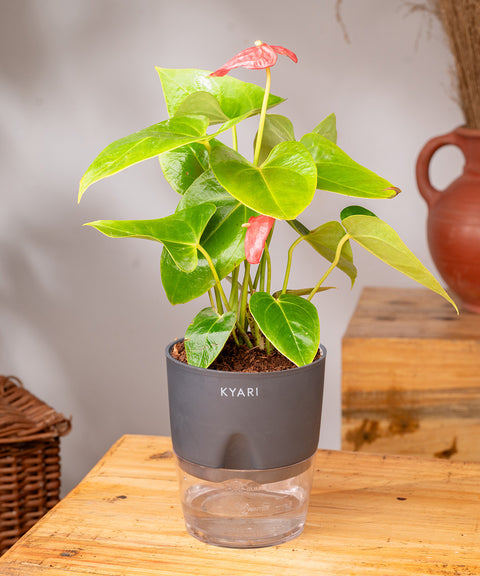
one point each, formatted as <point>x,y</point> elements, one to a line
<point>84,320</point>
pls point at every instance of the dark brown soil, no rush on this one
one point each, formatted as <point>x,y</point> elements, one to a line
<point>241,359</point>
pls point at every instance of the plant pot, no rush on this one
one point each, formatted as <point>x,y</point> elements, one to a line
<point>453,225</point>
<point>245,446</point>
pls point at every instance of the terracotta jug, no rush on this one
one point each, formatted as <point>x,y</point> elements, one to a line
<point>453,225</point>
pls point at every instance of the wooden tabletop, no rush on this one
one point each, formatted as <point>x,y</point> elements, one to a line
<point>369,514</point>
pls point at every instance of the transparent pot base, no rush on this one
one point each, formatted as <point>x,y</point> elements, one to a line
<point>245,508</point>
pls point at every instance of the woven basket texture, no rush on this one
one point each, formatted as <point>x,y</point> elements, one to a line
<point>30,434</point>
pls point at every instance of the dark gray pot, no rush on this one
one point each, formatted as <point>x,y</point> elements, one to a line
<point>245,421</point>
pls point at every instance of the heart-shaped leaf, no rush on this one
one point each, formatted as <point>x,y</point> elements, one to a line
<point>282,187</point>
<point>184,165</point>
<point>223,239</point>
<point>380,239</point>
<point>337,172</point>
<point>142,145</point>
<point>180,232</point>
<point>206,336</point>
<point>277,129</point>
<point>202,103</point>
<point>290,323</point>
<point>325,239</point>
<point>235,98</point>
<point>327,128</point>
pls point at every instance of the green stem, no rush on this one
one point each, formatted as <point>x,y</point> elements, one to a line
<point>218,284</point>
<point>266,251</point>
<point>244,335</point>
<point>235,337</point>
<point>257,335</point>
<point>289,263</point>
<point>234,138</point>
<point>298,227</point>
<point>207,144</point>
<point>263,113</point>
<point>254,283</point>
<point>233,301</point>
<point>332,266</point>
<point>218,298</point>
<point>261,285</point>
<point>244,298</point>
<point>212,301</point>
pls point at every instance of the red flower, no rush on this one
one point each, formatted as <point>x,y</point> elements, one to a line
<point>258,229</point>
<point>257,57</point>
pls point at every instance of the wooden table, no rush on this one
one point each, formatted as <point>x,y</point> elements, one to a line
<point>369,514</point>
<point>411,376</point>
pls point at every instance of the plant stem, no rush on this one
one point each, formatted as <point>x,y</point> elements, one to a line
<point>244,335</point>
<point>254,283</point>
<point>218,284</point>
<point>212,301</point>
<point>244,297</point>
<point>207,144</point>
<point>332,266</point>
<point>234,138</point>
<point>255,330</point>
<point>261,267</point>
<point>218,298</point>
<point>289,263</point>
<point>266,251</point>
<point>298,227</point>
<point>233,301</point>
<point>263,113</point>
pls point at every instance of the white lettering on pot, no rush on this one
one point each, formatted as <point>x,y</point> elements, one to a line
<point>227,392</point>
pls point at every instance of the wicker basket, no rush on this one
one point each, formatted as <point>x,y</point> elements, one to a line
<point>29,459</point>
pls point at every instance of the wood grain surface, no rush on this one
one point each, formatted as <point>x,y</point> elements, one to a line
<point>369,515</point>
<point>411,376</point>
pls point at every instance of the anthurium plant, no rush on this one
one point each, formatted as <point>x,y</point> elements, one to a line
<point>219,238</point>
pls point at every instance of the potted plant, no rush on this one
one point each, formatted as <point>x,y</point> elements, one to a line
<point>245,437</point>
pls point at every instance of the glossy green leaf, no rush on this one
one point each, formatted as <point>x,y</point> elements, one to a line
<point>223,239</point>
<point>337,172</point>
<point>142,145</point>
<point>202,103</point>
<point>184,165</point>
<point>290,323</point>
<point>325,239</point>
<point>236,99</point>
<point>180,232</point>
<point>380,239</point>
<point>327,128</point>
<point>206,336</point>
<point>277,129</point>
<point>282,187</point>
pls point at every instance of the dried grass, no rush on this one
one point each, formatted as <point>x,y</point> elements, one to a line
<point>461,21</point>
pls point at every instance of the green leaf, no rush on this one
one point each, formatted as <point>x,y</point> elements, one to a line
<point>142,145</point>
<point>382,241</point>
<point>235,98</point>
<point>290,323</point>
<point>223,239</point>
<point>325,239</point>
<point>327,128</point>
<point>184,165</point>
<point>337,172</point>
<point>202,103</point>
<point>206,336</point>
<point>277,129</point>
<point>180,232</point>
<point>282,187</point>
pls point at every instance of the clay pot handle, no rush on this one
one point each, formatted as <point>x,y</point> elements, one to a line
<point>429,192</point>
